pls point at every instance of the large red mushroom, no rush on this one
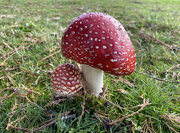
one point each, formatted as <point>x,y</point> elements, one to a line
<point>100,43</point>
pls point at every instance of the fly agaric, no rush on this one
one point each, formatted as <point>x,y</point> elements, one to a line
<point>99,43</point>
<point>66,79</point>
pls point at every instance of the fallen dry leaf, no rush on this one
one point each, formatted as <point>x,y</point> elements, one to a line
<point>7,16</point>
<point>56,18</point>
<point>122,91</point>
<point>126,82</point>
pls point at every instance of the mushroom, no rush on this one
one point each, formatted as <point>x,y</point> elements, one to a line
<point>99,43</point>
<point>66,79</point>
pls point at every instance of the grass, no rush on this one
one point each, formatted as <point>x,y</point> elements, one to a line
<point>30,34</point>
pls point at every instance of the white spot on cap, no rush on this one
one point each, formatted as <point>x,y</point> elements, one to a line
<point>72,88</point>
<point>115,52</point>
<point>113,60</point>
<point>97,47</point>
<point>62,81</point>
<point>77,86</point>
<point>64,78</point>
<point>86,35</point>
<point>106,55</point>
<point>104,47</point>
<point>115,69</point>
<point>55,82</point>
<point>124,52</point>
<point>99,64</point>
<point>122,59</point>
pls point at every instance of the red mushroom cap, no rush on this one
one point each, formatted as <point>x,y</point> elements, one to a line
<point>100,41</point>
<point>66,79</point>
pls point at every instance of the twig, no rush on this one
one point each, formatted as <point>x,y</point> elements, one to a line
<point>7,45</point>
<point>170,128</point>
<point>36,82</point>
<point>24,88</point>
<point>50,55</point>
<point>178,65</point>
<point>10,124</point>
<point>147,128</point>
<point>54,102</point>
<point>146,36</point>
<point>145,103</point>
<point>158,78</point>
<point>10,69</point>
<point>84,99</point>
<point>11,75</point>
<point>43,125</point>
<point>13,112</point>
<point>7,59</point>
<point>173,118</point>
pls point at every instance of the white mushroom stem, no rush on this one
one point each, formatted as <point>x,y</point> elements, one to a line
<point>93,79</point>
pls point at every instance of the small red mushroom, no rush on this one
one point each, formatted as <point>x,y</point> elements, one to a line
<point>66,79</point>
<point>100,43</point>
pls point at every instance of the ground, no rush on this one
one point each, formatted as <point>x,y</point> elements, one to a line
<point>30,37</point>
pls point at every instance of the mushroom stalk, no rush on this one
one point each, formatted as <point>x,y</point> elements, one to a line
<point>93,79</point>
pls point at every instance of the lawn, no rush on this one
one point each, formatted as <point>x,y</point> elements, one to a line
<point>30,49</point>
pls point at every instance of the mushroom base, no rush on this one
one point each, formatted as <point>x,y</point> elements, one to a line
<point>93,79</point>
